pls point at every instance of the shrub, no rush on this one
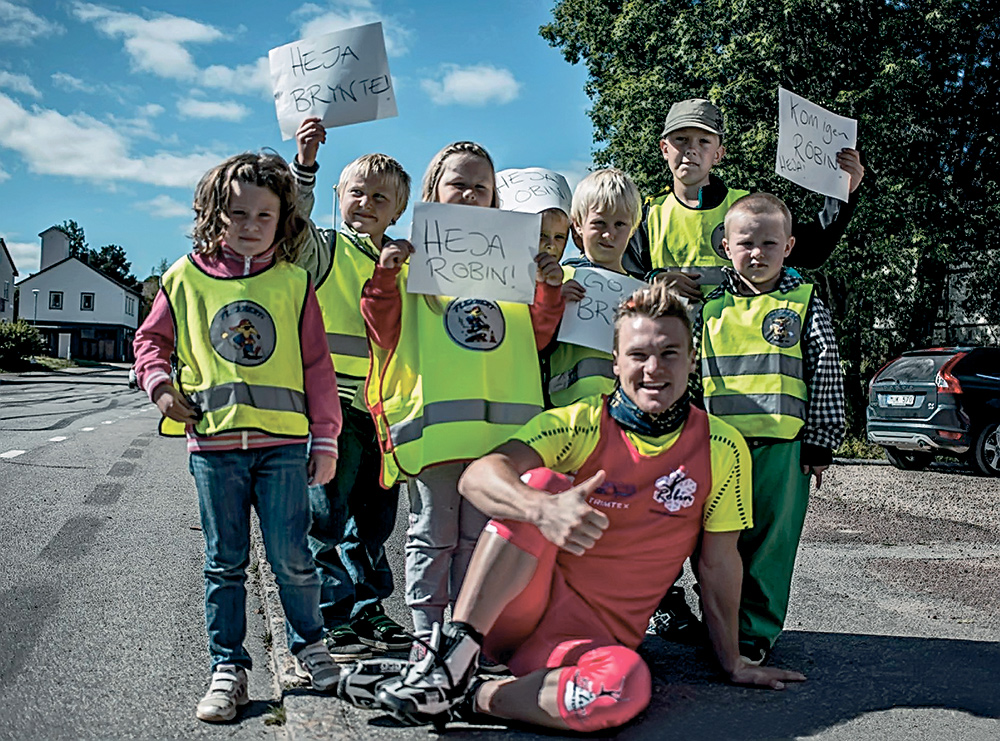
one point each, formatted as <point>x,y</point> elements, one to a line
<point>18,342</point>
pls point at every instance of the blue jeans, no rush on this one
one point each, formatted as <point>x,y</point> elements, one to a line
<point>274,481</point>
<point>352,518</point>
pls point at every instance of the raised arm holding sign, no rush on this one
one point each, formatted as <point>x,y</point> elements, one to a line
<point>473,252</point>
<point>341,78</point>
<point>809,140</point>
<point>590,321</point>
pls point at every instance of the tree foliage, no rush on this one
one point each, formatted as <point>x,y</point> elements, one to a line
<point>921,76</point>
<point>109,260</point>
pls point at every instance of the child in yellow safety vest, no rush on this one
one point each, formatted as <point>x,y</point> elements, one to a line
<point>352,515</point>
<point>605,213</point>
<point>441,397</point>
<point>769,367</point>
<point>253,382</point>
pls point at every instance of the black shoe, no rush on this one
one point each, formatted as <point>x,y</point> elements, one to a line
<point>345,646</point>
<point>674,621</point>
<point>756,652</point>
<point>359,681</point>
<point>376,629</point>
<point>431,688</point>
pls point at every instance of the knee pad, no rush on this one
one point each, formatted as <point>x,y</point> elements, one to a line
<point>606,688</point>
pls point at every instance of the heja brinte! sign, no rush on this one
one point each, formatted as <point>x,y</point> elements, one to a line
<point>341,78</point>
<point>473,252</point>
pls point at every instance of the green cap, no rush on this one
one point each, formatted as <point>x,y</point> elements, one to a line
<point>696,112</point>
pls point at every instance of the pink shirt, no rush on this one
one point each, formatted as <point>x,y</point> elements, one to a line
<point>155,341</point>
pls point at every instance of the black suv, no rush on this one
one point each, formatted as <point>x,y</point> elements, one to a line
<point>940,401</point>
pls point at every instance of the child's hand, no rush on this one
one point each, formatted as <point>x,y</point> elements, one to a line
<point>395,253</point>
<point>173,405</point>
<point>549,270</point>
<point>816,471</point>
<point>321,468</point>
<point>310,135</point>
<point>850,162</point>
<point>684,285</point>
<point>573,291</point>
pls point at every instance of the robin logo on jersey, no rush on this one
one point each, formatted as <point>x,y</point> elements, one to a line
<point>243,333</point>
<point>781,327</point>
<point>475,324</point>
<point>675,490</point>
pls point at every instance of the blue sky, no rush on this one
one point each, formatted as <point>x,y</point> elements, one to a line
<point>109,113</point>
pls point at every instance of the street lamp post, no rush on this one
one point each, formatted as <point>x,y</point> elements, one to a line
<point>35,291</point>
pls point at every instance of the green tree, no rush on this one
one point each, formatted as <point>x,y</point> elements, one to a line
<point>78,246</point>
<point>921,76</point>
<point>112,261</point>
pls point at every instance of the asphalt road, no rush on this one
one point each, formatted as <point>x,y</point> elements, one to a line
<point>895,613</point>
<point>101,618</point>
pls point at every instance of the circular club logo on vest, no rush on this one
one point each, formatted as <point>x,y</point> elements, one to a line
<point>781,327</point>
<point>675,490</point>
<point>475,324</point>
<point>717,235</point>
<point>243,332</point>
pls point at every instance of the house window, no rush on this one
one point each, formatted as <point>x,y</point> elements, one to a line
<point>86,302</point>
<point>55,300</point>
<point>130,306</point>
<point>6,290</point>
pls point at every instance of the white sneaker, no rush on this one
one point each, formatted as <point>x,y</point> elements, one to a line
<point>226,692</point>
<point>315,663</point>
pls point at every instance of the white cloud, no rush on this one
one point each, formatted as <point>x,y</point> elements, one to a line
<point>316,20</point>
<point>67,81</point>
<point>20,27</point>
<point>18,83</point>
<point>155,45</point>
<point>82,147</point>
<point>224,110</point>
<point>4,175</point>
<point>151,110</point>
<point>27,256</point>
<point>159,46</point>
<point>476,85</point>
<point>165,207</point>
<point>574,171</point>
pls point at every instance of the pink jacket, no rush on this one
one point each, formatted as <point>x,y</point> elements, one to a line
<point>155,341</point>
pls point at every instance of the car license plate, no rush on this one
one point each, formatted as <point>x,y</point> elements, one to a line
<point>899,400</point>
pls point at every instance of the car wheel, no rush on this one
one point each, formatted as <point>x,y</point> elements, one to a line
<point>908,460</point>
<point>986,451</point>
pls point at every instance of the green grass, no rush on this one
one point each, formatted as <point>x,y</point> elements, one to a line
<point>859,447</point>
<point>276,715</point>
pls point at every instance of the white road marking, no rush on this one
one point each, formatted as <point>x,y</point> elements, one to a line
<point>108,422</point>
<point>56,439</point>
<point>12,453</point>
<point>87,429</point>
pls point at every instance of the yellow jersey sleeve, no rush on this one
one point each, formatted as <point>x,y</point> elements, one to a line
<point>565,436</point>
<point>730,503</point>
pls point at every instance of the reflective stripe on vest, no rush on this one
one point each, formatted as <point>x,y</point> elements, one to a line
<point>588,374</point>
<point>462,410</point>
<point>689,239</point>
<point>751,361</point>
<point>339,296</point>
<point>239,355</point>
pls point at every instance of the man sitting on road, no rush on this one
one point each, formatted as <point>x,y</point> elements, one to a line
<point>565,577</point>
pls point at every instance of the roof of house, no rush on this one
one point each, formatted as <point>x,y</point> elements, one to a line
<point>3,246</point>
<point>57,264</point>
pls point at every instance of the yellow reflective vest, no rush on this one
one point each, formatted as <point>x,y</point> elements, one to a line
<point>751,361</point>
<point>688,239</point>
<point>239,359</point>
<point>577,372</point>
<point>462,378</point>
<point>339,296</point>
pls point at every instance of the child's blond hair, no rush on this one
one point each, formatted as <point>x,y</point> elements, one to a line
<point>607,190</point>
<point>265,169</point>
<point>757,204</point>
<point>433,175</point>
<point>655,301</point>
<point>380,166</point>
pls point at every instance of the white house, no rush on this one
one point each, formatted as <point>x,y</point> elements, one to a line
<point>7,274</point>
<point>81,312</point>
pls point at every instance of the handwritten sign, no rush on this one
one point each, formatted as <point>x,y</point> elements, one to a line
<point>341,77</point>
<point>809,138</point>
<point>591,321</point>
<point>473,252</point>
<point>532,190</point>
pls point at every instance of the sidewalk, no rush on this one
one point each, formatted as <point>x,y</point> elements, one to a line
<point>889,654</point>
